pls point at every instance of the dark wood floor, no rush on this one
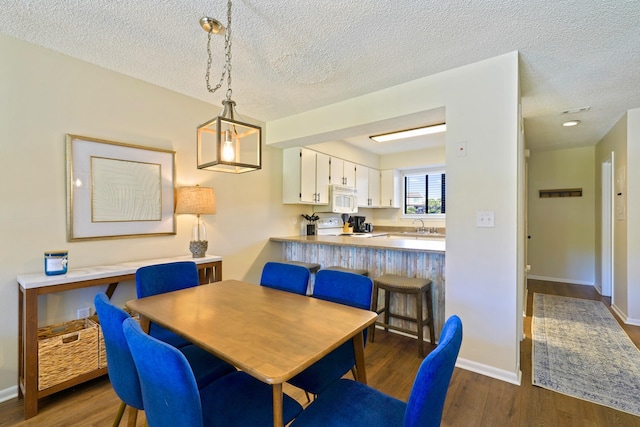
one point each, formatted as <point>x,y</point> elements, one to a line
<point>472,400</point>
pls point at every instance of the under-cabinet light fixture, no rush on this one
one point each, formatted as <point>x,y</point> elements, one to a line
<point>409,133</point>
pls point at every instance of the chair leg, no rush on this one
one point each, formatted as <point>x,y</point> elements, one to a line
<point>116,422</point>
<point>133,416</point>
<point>306,393</point>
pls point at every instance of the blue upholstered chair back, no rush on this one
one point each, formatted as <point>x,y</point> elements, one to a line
<point>344,288</point>
<point>285,277</point>
<point>169,389</point>
<point>122,370</point>
<point>161,278</point>
<point>426,402</point>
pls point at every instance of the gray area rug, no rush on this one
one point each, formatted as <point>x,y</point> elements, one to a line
<point>580,350</point>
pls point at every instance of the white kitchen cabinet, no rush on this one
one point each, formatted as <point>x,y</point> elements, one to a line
<point>305,176</point>
<point>374,188</point>
<point>343,172</point>
<point>362,185</point>
<point>368,186</point>
<point>390,190</point>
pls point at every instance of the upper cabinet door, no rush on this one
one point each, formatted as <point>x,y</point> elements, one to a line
<point>337,168</point>
<point>374,188</point>
<point>362,185</point>
<point>343,172</point>
<point>322,178</point>
<point>349,173</point>
<point>390,188</point>
<point>308,192</point>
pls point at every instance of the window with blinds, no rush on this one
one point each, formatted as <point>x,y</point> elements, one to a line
<point>424,193</point>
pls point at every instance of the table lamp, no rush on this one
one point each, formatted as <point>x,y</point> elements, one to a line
<point>197,201</point>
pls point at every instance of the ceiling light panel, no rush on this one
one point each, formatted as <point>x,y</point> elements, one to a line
<point>409,133</point>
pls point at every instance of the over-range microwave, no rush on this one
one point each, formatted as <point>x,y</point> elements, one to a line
<point>342,199</point>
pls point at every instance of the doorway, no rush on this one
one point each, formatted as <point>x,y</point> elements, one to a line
<point>606,270</point>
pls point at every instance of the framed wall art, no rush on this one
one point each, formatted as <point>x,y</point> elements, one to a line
<point>117,190</point>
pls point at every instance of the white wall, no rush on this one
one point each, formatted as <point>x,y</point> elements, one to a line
<point>614,141</point>
<point>481,102</point>
<point>633,215</point>
<point>624,140</point>
<point>46,95</point>
<point>562,230</point>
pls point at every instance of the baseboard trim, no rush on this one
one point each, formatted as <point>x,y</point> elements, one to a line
<point>557,279</point>
<point>490,371</point>
<point>633,322</point>
<point>623,317</point>
<point>8,393</point>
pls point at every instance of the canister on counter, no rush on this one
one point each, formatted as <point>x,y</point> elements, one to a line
<point>55,262</point>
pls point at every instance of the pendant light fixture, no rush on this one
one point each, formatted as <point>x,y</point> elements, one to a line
<point>227,143</point>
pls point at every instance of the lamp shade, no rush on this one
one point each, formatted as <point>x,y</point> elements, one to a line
<point>196,200</point>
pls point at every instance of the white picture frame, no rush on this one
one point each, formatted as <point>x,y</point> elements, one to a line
<point>118,190</point>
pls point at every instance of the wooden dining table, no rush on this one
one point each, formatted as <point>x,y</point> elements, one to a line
<point>270,334</point>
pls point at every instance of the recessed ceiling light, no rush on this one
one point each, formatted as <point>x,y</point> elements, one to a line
<point>409,133</point>
<point>571,123</point>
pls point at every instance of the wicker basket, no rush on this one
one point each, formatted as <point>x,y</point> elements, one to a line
<point>102,351</point>
<point>65,351</point>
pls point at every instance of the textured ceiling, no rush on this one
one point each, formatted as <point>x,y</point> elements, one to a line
<point>290,56</point>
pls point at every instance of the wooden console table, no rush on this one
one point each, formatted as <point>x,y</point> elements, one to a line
<point>32,285</point>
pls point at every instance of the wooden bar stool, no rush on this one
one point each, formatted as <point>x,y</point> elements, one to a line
<point>404,285</point>
<point>313,269</point>
<point>311,266</point>
<point>360,271</point>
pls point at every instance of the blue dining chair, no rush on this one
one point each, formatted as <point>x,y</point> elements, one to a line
<point>161,278</point>
<point>353,404</point>
<point>344,288</point>
<point>285,277</point>
<point>122,371</point>
<point>172,399</point>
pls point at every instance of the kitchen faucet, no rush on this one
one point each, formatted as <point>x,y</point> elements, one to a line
<point>419,229</point>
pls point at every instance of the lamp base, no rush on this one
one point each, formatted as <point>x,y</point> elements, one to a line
<point>198,248</point>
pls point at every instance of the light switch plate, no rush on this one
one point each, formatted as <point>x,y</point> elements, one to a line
<point>486,219</point>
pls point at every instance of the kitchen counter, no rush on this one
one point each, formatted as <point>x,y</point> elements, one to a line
<point>415,255</point>
<point>393,242</point>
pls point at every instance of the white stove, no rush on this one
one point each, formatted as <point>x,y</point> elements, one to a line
<point>330,226</point>
<point>333,226</point>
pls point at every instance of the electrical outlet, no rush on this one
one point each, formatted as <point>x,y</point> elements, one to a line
<point>83,313</point>
<point>486,219</point>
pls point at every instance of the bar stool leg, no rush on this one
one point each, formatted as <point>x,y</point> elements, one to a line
<point>432,334</point>
<point>374,307</point>
<point>420,321</point>
<point>387,308</point>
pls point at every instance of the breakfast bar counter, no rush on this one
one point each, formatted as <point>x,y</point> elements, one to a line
<point>379,254</point>
<point>378,241</point>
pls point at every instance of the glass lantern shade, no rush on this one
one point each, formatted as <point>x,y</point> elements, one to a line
<point>228,145</point>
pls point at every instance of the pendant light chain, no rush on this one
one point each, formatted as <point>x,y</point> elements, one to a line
<point>226,70</point>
